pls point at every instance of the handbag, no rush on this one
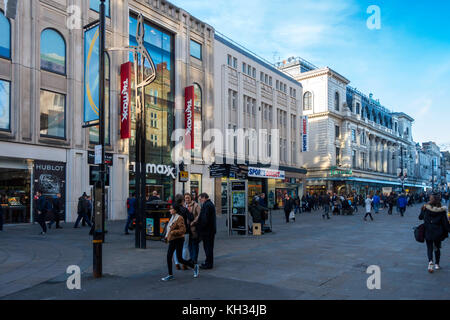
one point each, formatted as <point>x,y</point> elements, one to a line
<point>292,215</point>
<point>419,233</point>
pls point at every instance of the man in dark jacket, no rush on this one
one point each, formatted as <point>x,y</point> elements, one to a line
<point>82,210</point>
<point>131,210</point>
<point>207,229</point>
<point>41,210</point>
<point>288,206</point>
<point>58,209</point>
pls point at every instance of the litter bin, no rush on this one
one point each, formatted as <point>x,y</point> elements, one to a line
<point>157,216</point>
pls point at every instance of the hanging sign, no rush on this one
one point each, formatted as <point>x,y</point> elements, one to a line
<point>125,92</point>
<point>189,118</point>
<point>305,130</point>
<point>91,74</point>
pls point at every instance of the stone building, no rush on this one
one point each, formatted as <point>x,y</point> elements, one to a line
<point>42,87</point>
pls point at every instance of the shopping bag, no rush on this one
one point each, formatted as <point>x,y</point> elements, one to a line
<point>292,215</point>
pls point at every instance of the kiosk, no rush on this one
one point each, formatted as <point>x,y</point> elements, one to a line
<point>237,207</point>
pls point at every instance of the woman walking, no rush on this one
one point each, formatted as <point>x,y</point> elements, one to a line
<point>176,230</point>
<point>436,229</point>
<point>368,208</point>
<point>194,240</point>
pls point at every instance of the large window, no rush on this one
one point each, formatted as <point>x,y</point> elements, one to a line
<point>307,101</point>
<point>336,101</point>
<point>196,50</point>
<point>338,156</point>
<point>95,5</point>
<point>53,107</point>
<point>198,134</point>
<point>53,52</point>
<point>5,105</point>
<point>94,132</point>
<point>5,37</point>
<point>337,132</point>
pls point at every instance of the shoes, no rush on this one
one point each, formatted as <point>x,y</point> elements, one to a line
<point>42,233</point>
<point>196,271</point>
<point>177,266</point>
<point>437,267</point>
<point>430,267</point>
<point>168,278</point>
<point>183,267</point>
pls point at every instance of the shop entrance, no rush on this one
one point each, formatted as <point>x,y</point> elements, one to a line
<point>15,195</point>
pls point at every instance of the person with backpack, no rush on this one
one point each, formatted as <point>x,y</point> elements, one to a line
<point>188,218</point>
<point>436,229</point>
<point>131,211</point>
<point>194,238</point>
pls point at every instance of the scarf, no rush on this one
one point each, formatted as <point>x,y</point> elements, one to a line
<point>172,220</point>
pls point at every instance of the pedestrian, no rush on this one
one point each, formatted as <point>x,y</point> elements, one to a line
<point>390,201</point>
<point>288,207</point>
<point>188,218</point>
<point>58,209</point>
<point>176,230</point>
<point>401,203</point>
<point>376,203</point>
<point>262,202</point>
<point>131,211</point>
<point>257,211</point>
<point>368,208</point>
<point>154,196</point>
<point>207,229</point>
<point>82,210</point>
<point>41,210</point>
<point>326,204</point>
<point>297,205</point>
<point>194,243</point>
<point>436,229</point>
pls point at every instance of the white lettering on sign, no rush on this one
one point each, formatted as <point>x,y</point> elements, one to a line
<point>161,169</point>
<point>189,117</point>
<point>126,100</point>
<point>266,173</point>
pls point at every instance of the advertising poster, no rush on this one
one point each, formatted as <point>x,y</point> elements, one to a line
<point>91,75</point>
<point>150,231</point>
<point>162,225</point>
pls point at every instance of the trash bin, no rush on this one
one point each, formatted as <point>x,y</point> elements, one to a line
<point>157,216</point>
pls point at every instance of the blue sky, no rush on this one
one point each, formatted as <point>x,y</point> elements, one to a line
<point>405,64</point>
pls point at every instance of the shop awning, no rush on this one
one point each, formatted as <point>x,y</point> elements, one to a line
<point>368,180</point>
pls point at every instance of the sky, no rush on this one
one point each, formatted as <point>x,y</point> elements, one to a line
<point>405,63</point>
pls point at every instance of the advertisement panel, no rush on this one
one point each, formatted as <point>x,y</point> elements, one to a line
<point>189,118</point>
<point>305,132</point>
<point>266,173</point>
<point>91,75</point>
<point>125,93</point>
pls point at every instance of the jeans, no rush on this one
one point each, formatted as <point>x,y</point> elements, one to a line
<point>40,218</point>
<point>376,206</point>
<point>176,246</point>
<point>194,247</point>
<point>82,216</point>
<point>402,211</point>
<point>129,221</point>
<point>368,214</point>
<point>326,212</point>
<point>391,206</point>
<point>185,251</point>
<point>297,209</point>
<point>55,219</point>
<point>437,252</point>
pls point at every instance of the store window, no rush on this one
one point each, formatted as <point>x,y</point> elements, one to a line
<point>198,133</point>
<point>15,192</point>
<point>5,105</point>
<point>53,122</point>
<point>95,5</point>
<point>5,36</point>
<point>53,52</point>
<point>94,132</point>
<point>196,50</point>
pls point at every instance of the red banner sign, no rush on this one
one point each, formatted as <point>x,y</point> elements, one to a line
<point>189,117</point>
<point>125,94</point>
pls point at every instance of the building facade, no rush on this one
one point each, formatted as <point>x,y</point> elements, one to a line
<point>357,145</point>
<point>42,84</point>
<point>265,104</point>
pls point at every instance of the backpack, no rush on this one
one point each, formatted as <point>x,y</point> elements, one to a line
<point>419,233</point>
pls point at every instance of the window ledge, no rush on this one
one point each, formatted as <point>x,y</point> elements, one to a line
<point>54,141</point>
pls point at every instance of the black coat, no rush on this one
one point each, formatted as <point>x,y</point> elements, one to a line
<point>207,220</point>
<point>288,205</point>
<point>188,218</point>
<point>83,206</point>
<point>436,223</point>
<point>257,212</point>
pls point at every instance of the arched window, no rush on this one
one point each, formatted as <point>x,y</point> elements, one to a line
<point>336,101</point>
<point>53,52</point>
<point>5,36</point>
<point>198,133</point>
<point>307,101</point>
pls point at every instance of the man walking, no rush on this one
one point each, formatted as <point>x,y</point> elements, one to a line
<point>207,229</point>
<point>390,201</point>
<point>288,206</point>
<point>376,202</point>
<point>326,204</point>
<point>262,203</point>
<point>41,209</point>
<point>131,210</point>
<point>82,211</point>
<point>401,203</point>
<point>368,208</point>
<point>57,210</point>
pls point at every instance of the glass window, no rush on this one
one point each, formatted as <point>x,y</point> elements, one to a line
<point>336,101</point>
<point>357,108</point>
<point>353,135</point>
<point>244,67</point>
<point>5,36</point>
<point>235,63</point>
<point>307,101</point>
<point>53,52</point>
<point>5,105</point>
<point>95,5</point>
<point>94,132</point>
<point>338,156</point>
<point>196,50</point>
<point>337,131</point>
<point>229,60</point>
<point>53,122</point>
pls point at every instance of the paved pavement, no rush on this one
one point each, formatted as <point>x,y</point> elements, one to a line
<point>309,259</point>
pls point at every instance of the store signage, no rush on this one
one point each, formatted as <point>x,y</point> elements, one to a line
<point>184,176</point>
<point>334,171</point>
<point>305,131</point>
<point>160,169</point>
<point>108,158</point>
<point>125,92</point>
<point>98,154</point>
<point>266,173</point>
<point>49,177</point>
<point>189,117</point>
<point>218,171</point>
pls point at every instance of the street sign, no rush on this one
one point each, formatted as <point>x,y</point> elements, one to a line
<point>184,176</point>
<point>98,154</point>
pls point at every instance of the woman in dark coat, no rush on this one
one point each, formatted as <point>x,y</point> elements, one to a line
<point>257,210</point>
<point>437,228</point>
